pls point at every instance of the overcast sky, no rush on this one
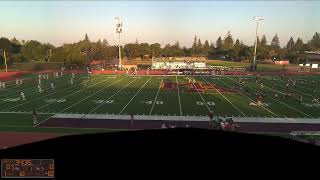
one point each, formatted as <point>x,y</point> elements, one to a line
<point>59,22</point>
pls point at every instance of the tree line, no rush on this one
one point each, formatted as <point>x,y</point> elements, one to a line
<point>85,50</point>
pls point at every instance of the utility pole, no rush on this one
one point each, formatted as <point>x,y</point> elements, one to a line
<point>257,19</point>
<point>119,31</point>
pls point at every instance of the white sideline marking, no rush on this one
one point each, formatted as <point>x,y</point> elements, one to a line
<point>109,98</point>
<point>179,96</point>
<point>156,97</point>
<point>225,97</point>
<point>91,95</point>
<point>134,95</point>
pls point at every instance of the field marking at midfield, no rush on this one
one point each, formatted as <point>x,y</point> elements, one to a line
<point>155,99</point>
<point>41,97</point>
<point>91,95</point>
<point>179,96</point>
<point>201,97</point>
<point>293,108</point>
<point>135,95</point>
<point>73,93</point>
<point>250,98</point>
<point>225,98</point>
<point>109,98</point>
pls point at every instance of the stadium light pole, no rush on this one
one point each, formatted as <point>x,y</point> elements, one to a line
<point>5,60</point>
<point>257,19</point>
<point>119,31</point>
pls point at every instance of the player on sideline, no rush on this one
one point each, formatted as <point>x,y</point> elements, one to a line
<point>23,97</point>
<point>34,116</point>
<point>52,86</point>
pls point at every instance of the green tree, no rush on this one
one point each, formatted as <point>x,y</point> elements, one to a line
<point>299,45</point>
<point>315,42</point>
<point>275,43</point>
<point>228,42</point>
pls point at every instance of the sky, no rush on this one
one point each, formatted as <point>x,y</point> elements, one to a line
<point>59,22</point>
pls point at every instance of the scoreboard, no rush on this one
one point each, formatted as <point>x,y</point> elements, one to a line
<point>27,168</point>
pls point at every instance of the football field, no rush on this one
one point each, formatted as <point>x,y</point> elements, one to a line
<point>159,95</point>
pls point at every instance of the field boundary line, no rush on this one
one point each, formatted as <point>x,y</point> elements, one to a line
<point>179,96</point>
<point>25,112</point>
<point>225,97</point>
<point>74,93</point>
<point>41,97</point>
<point>250,98</point>
<point>135,95</point>
<point>155,99</point>
<point>97,107</point>
<point>90,95</point>
<point>15,126</point>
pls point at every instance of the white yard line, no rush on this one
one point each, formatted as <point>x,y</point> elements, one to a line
<point>225,98</point>
<point>91,95</point>
<point>295,109</point>
<point>41,97</point>
<point>73,93</point>
<point>155,99</point>
<point>202,97</point>
<point>109,98</point>
<point>14,126</point>
<point>250,98</point>
<point>179,96</point>
<point>292,107</point>
<point>28,90</point>
<point>135,95</point>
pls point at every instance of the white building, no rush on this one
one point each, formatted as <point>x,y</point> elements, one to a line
<point>178,65</point>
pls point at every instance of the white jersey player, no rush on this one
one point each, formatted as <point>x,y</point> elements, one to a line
<point>39,81</point>
<point>23,97</point>
<point>61,73</point>
<point>39,88</point>
<point>52,86</point>
<point>3,85</point>
<point>17,82</point>
<point>71,81</point>
<point>20,82</point>
<point>72,75</point>
<point>47,76</point>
